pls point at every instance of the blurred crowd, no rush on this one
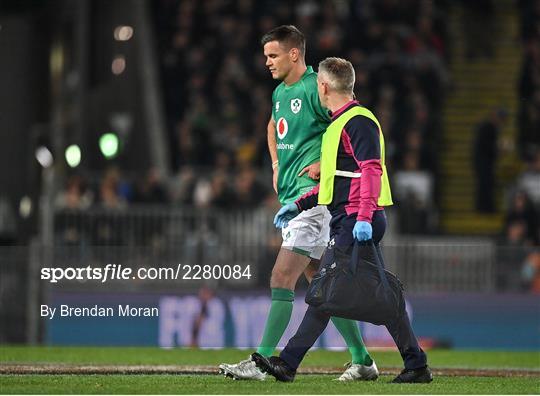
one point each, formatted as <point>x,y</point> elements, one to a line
<point>218,90</point>
<point>529,102</point>
<point>520,252</point>
<point>529,82</point>
<point>116,191</point>
<point>519,258</point>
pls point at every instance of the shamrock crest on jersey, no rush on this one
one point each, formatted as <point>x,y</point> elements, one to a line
<point>296,105</point>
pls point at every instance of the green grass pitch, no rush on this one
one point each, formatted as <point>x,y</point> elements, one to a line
<point>500,383</point>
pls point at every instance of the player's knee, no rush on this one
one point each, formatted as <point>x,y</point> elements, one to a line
<point>282,279</point>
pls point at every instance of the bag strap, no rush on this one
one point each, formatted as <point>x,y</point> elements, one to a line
<point>356,258</point>
<point>382,274</point>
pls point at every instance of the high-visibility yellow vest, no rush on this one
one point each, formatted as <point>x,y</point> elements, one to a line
<point>329,149</point>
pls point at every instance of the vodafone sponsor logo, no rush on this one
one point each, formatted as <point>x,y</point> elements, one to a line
<point>282,128</point>
<point>285,146</point>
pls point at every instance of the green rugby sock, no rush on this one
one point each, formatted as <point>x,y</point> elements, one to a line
<point>351,333</point>
<point>278,319</point>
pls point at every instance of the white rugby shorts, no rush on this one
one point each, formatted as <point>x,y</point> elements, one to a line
<point>308,233</point>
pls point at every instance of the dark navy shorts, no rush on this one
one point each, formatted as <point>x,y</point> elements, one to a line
<point>341,228</point>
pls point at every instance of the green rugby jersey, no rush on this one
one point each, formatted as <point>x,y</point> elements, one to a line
<point>300,122</point>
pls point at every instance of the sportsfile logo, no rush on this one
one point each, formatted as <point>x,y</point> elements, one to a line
<point>119,272</point>
<point>109,272</point>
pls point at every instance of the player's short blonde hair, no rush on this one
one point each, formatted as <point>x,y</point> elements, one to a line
<point>339,74</point>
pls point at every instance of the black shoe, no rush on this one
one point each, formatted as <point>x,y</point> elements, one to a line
<point>416,376</point>
<point>274,366</point>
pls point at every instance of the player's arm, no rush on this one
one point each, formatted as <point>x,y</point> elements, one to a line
<point>272,148</point>
<point>308,200</point>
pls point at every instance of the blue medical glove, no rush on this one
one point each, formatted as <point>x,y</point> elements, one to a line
<point>362,231</point>
<point>285,214</point>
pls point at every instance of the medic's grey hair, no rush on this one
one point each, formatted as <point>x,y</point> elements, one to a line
<point>339,74</point>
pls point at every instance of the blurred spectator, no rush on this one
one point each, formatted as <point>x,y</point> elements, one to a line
<point>485,159</point>
<point>515,233</point>
<point>248,192</point>
<point>113,191</point>
<point>193,144</point>
<point>221,195</point>
<point>529,81</point>
<point>529,181</point>
<point>529,95</point>
<point>413,192</point>
<point>530,18</point>
<point>511,253</point>
<point>530,273</point>
<point>478,26</point>
<point>182,186</point>
<point>522,221</point>
<point>516,263</point>
<point>202,194</point>
<point>150,189</point>
<point>75,195</point>
<point>511,258</point>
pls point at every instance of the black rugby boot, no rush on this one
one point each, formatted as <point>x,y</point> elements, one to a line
<point>417,376</point>
<point>275,366</point>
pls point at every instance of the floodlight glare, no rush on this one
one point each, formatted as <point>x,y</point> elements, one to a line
<point>118,65</point>
<point>73,155</point>
<point>108,144</point>
<point>25,207</point>
<point>123,33</point>
<point>44,156</point>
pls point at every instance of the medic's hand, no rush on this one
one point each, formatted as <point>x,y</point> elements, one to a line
<point>362,231</point>
<point>286,213</point>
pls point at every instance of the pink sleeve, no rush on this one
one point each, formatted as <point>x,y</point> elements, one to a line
<point>370,188</point>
